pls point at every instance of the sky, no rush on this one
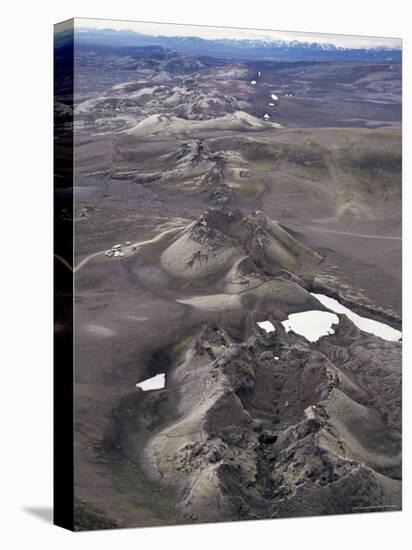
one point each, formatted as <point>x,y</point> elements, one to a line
<point>169,29</point>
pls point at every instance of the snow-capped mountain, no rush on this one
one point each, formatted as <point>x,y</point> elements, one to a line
<point>264,49</point>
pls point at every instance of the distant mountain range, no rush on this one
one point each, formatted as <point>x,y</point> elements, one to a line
<point>265,50</point>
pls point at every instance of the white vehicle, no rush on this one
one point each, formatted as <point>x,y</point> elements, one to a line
<point>116,246</point>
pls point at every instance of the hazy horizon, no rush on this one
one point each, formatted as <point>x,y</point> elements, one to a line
<point>215,33</point>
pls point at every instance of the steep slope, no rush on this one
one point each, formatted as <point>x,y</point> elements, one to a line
<point>264,426</point>
<point>220,237</point>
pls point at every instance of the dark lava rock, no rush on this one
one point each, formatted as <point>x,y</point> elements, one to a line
<point>267,438</point>
<point>245,173</point>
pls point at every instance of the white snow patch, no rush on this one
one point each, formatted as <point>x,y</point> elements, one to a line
<point>377,328</point>
<point>267,326</point>
<point>155,383</point>
<point>311,324</point>
<point>274,97</point>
